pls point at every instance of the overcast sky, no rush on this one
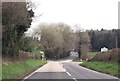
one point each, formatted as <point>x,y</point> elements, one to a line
<point>89,14</point>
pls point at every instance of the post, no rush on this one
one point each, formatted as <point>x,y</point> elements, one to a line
<point>117,46</point>
<point>116,42</point>
<point>79,52</point>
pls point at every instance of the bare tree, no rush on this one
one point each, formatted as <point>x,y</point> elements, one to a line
<point>57,39</point>
<point>83,44</point>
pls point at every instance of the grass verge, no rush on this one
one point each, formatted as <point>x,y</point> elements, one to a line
<point>105,67</point>
<point>14,70</point>
<point>91,54</point>
<point>78,60</point>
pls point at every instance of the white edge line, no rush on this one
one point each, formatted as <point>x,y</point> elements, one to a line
<point>29,75</point>
<point>32,73</point>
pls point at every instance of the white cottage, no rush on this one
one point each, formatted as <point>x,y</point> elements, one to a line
<point>104,49</point>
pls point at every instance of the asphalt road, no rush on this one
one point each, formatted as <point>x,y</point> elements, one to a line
<point>66,70</point>
<point>79,72</point>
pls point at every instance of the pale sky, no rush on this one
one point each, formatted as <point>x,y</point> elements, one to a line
<point>88,14</point>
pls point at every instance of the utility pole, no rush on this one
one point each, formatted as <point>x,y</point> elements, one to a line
<point>117,47</point>
<point>116,42</point>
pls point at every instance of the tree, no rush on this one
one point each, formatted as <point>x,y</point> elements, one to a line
<point>16,19</point>
<point>57,39</point>
<point>103,38</point>
<point>83,44</point>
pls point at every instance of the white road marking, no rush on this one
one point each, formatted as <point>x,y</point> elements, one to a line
<point>65,70</point>
<point>74,79</point>
<point>29,75</point>
<point>61,64</point>
<point>68,73</point>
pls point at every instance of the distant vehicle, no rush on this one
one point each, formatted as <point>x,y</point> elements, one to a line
<point>74,53</point>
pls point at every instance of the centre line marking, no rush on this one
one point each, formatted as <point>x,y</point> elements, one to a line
<point>74,79</point>
<point>68,73</point>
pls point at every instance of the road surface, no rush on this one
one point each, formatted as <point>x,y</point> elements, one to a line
<point>66,70</point>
